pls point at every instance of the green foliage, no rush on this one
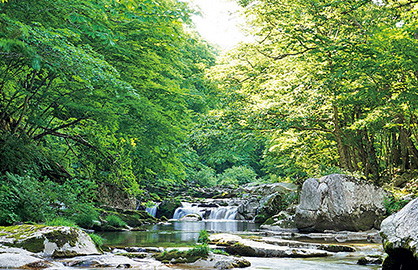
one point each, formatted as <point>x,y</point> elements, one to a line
<point>22,199</point>
<point>60,221</point>
<point>325,94</point>
<point>102,91</point>
<point>205,177</point>
<point>115,221</point>
<point>25,199</point>
<point>237,175</point>
<point>85,215</point>
<point>220,251</point>
<point>393,204</point>
<point>188,256</point>
<point>203,237</point>
<point>199,251</point>
<point>97,239</point>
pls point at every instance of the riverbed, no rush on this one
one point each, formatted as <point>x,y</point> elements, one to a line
<point>185,233</point>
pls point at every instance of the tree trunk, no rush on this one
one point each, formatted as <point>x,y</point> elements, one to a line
<point>345,161</point>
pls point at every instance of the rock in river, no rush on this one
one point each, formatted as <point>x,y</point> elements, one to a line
<point>57,242</point>
<point>236,245</point>
<point>339,202</point>
<point>400,238</point>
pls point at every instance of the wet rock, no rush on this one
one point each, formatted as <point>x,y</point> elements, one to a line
<point>370,260</point>
<point>400,238</point>
<point>113,261</point>
<point>191,217</point>
<point>167,208</point>
<point>236,245</point>
<point>221,262</point>
<point>57,242</point>
<point>133,218</point>
<point>371,236</point>
<point>284,220</point>
<point>306,245</point>
<point>339,202</point>
<point>15,260</point>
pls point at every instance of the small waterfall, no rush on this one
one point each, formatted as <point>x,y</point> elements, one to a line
<point>188,208</point>
<point>224,212</point>
<point>221,212</point>
<point>152,210</point>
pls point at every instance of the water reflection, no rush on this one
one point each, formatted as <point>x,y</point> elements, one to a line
<point>175,233</point>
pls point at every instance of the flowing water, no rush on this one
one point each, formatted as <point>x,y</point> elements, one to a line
<point>185,233</point>
<point>218,213</point>
<point>176,233</point>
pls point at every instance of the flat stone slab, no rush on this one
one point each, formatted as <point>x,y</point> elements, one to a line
<point>236,245</point>
<point>113,261</point>
<point>372,236</point>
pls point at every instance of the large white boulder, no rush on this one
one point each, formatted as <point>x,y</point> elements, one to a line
<point>400,238</point>
<point>339,202</point>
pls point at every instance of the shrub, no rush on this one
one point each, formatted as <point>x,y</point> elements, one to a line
<point>97,239</point>
<point>204,177</point>
<point>22,199</point>
<point>203,237</point>
<point>85,215</point>
<point>60,221</point>
<point>237,175</point>
<point>393,204</point>
<point>115,221</point>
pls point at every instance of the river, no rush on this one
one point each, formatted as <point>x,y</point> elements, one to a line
<point>185,233</point>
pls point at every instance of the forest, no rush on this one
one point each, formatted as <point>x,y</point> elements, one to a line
<point>124,97</point>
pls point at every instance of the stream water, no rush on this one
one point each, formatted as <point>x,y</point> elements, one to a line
<point>176,233</point>
<point>185,233</point>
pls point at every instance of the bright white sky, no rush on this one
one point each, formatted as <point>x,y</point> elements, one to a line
<point>219,23</point>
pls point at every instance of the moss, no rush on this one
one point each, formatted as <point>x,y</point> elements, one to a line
<point>20,231</point>
<point>188,256</point>
<point>61,238</point>
<point>240,249</point>
<point>269,221</point>
<point>133,218</point>
<point>241,264</point>
<point>33,244</point>
<point>168,207</point>
<point>388,246</point>
<point>135,255</point>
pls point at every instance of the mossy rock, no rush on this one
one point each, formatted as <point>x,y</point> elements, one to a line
<point>50,241</point>
<point>133,218</point>
<point>34,244</point>
<point>61,238</point>
<point>188,256</point>
<point>240,249</point>
<point>168,207</point>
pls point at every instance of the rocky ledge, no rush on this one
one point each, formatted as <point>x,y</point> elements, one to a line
<point>274,247</point>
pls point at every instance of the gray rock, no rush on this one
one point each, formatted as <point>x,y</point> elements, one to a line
<point>339,202</point>
<point>15,260</point>
<point>191,217</point>
<point>221,262</point>
<point>48,241</point>
<point>236,245</point>
<point>400,237</point>
<point>370,260</point>
<point>114,261</point>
